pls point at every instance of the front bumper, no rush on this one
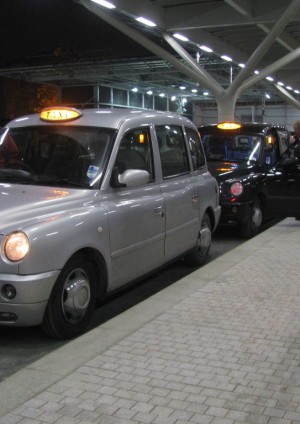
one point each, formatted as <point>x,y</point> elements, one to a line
<point>237,212</point>
<point>32,294</point>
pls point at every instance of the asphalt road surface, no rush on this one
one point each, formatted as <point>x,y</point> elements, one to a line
<point>21,346</point>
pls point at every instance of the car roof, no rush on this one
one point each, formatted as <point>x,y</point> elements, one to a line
<point>109,118</point>
<point>246,127</point>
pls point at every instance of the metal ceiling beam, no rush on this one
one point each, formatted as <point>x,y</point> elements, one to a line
<point>265,23</point>
<point>148,44</point>
<point>269,70</point>
<point>137,8</point>
<point>287,96</point>
<point>203,77</point>
<point>218,45</point>
<point>262,49</point>
<point>244,7</point>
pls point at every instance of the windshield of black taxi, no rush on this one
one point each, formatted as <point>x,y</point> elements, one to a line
<point>54,155</point>
<point>232,147</point>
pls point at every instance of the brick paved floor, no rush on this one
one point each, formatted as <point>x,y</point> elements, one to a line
<point>227,354</point>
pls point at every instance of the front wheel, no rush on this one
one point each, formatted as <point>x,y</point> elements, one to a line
<point>198,256</point>
<point>72,300</point>
<point>254,220</point>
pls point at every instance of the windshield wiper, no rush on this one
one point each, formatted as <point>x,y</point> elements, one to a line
<point>15,175</point>
<point>24,177</point>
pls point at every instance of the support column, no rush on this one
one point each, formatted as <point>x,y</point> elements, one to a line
<point>226,107</point>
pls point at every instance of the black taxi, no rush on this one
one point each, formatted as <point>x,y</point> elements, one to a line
<point>258,172</point>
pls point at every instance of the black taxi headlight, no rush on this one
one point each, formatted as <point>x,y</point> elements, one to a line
<point>236,189</point>
<point>16,246</point>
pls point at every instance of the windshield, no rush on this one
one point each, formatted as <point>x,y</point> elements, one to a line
<point>232,147</point>
<point>54,155</point>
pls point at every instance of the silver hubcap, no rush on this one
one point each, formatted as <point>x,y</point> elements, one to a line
<point>204,239</point>
<point>76,296</point>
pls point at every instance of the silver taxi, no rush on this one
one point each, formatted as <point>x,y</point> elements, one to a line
<point>92,200</point>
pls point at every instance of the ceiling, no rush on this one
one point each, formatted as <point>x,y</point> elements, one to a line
<point>64,43</point>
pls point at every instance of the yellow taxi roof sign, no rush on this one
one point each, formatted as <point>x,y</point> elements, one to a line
<point>228,125</point>
<point>59,114</point>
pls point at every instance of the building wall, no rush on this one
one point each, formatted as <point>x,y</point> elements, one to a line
<point>21,97</point>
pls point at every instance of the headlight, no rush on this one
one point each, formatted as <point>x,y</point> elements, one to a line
<point>16,246</point>
<point>236,189</point>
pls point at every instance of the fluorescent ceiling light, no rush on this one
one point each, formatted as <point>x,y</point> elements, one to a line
<point>206,49</point>
<point>150,92</point>
<point>162,95</point>
<point>146,21</point>
<point>256,72</point>
<point>105,3</point>
<point>205,93</point>
<point>270,79</point>
<point>173,98</point>
<point>227,58</point>
<point>134,89</point>
<point>280,83</point>
<point>268,96</point>
<point>180,37</point>
<point>242,65</point>
<point>194,90</point>
<point>182,87</point>
<point>296,91</point>
<point>288,87</point>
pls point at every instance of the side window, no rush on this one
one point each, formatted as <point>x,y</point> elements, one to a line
<point>196,148</point>
<point>270,148</point>
<point>172,148</point>
<point>135,152</point>
<point>283,142</point>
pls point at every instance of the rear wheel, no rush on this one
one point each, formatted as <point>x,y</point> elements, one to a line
<point>198,256</point>
<point>254,221</point>
<point>72,300</point>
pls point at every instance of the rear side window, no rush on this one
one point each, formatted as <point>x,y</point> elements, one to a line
<point>195,146</point>
<point>172,148</point>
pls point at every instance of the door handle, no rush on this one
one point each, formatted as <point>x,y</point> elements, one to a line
<point>195,199</point>
<point>159,211</point>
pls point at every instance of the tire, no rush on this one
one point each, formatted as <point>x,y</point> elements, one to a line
<point>254,221</point>
<point>198,256</point>
<point>72,301</point>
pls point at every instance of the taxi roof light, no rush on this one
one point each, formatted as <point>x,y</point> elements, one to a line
<point>59,114</point>
<point>228,125</point>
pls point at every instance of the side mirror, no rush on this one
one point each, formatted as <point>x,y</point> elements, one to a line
<point>134,177</point>
<point>290,165</point>
<point>129,178</point>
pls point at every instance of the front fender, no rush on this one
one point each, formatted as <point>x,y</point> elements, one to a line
<point>53,242</point>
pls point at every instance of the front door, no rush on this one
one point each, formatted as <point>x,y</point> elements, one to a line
<point>136,214</point>
<point>283,187</point>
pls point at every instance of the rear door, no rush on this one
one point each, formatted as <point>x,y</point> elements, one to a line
<point>180,190</point>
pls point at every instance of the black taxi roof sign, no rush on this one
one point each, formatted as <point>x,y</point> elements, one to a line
<point>59,114</point>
